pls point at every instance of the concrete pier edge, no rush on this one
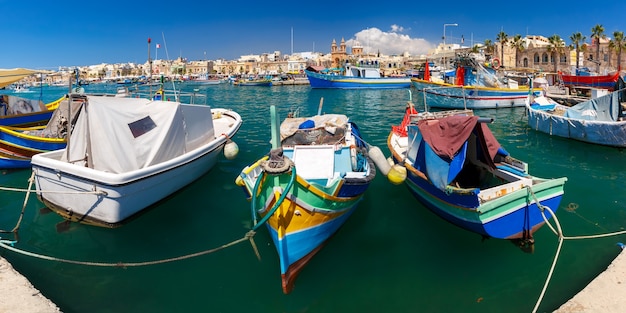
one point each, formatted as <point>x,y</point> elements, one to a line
<point>19,295</point>
<point>604,294</point>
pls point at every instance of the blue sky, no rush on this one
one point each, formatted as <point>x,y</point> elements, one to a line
<point>48,34</point>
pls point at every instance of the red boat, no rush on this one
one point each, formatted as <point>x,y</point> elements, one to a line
<point>603,81</point>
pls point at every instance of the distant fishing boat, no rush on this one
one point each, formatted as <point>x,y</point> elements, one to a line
<point>590,81</point>
<point>365,75</point>
<point>309,185</point>
<point>206,80</point>
<point>253,82</point>
<point>474,87</point>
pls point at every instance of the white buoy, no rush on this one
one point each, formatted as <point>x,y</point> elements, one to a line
<point>379,159</point>
<point>231,150</point>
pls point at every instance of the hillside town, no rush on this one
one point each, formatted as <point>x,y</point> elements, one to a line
<point>532,53</point>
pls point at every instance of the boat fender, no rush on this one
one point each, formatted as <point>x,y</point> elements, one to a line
<point>231,150</point>
<point>353,158</point>
<point>379,159</point>
<point>397,174</point>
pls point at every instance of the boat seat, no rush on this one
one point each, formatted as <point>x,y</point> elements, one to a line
<point>516,183</point>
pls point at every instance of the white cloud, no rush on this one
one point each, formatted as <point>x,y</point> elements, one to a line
<point>374,40</point>
<point>396,28</point>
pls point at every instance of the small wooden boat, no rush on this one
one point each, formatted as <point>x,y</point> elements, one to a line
<point>590,81</point>
<point>18,111</point>
<point>315,175</point>
<point>254,82</point>
<point>454,166</point>
<point>24,142</point>
<point>365,75</point>
<point>598,121</point>
<point>13,160</point>
<point>125,154</point>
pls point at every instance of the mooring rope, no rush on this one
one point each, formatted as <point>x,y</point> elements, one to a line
<point>559,232</point>
<point>9,246</point>
<point>19,221</point>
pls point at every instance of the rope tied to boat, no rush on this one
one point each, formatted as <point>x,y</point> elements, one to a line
<point>10,245</point>
<point>19,221</point>
<point>561,237</point>
<point>279,202</point>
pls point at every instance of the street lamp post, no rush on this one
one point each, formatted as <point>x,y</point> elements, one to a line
<point>445,64</point>
<point>444,32</point>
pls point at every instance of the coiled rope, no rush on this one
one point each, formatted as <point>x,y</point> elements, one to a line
<point>559,232</point>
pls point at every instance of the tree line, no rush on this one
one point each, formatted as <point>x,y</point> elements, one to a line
<point>558,47</point>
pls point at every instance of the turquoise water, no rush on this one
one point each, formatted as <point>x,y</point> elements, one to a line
<point>393,255</point>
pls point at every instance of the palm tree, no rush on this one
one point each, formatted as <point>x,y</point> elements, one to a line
<point>488,46</point>
<point>475,49</point>
<point>556,47</point>
<point>597,32</point>
<point>502,38</point>
<point>577,39</point>
<point>518,44</point>
<point>618,43</point>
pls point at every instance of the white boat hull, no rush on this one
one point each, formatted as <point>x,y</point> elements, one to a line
<point>107,199</point>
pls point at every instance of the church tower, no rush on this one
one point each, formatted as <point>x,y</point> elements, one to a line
<point>338,55</point>
<point>357,49</point>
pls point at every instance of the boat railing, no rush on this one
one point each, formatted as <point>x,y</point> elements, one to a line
<point>427,89</point>
<point>194,97</point>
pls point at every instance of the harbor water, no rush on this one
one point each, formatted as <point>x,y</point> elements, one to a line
<point>392,255</point>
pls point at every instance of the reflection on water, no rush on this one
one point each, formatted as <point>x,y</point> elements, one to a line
<point>393,255</point>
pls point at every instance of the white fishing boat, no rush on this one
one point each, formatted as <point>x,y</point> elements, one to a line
<point>125,154</point>
<point>366,74</point>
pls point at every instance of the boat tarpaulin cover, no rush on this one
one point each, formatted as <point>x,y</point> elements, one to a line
<point>443,156</point>
<point>118,135</point>
<point>329,121</point>
<point>605,108</point>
